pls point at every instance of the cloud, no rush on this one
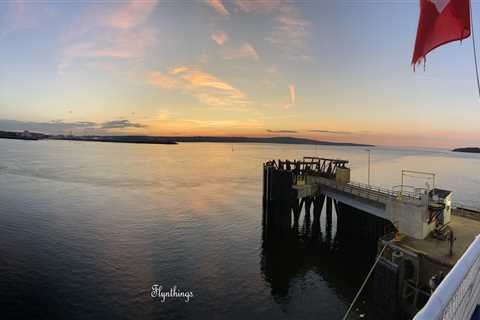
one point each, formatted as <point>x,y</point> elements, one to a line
<point>292,96</point>
<point>282,131</point>
<point>219,7</point>
<point>62,127</point>
<point>115,45</point>
<point>205,87</point>
<point>163,81</point>
<point>221,124</point>
<point>258,6</point>
<point>292,93</point>
<point>291,31</point>
<point>130,14</point>
<point>116,124</point>
<point>219,37</point>
<point>330,131</point>
<point>121,32</point>
<point>245,51</point>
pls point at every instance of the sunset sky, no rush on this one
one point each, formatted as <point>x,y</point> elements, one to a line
<point>329,70</point>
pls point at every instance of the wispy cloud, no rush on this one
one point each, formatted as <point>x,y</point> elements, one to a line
<point>329,131</point>
<point>258,6</point>
<point>292,96</point>
<point>291,31</point>
<point>245,51</point>
<point>121,32</point>
<point>166,81</point>
<point>219,37</point>
<point>130,15</point>
<point>292,92</point>
<point>223,124</point>
<point>205,87</point>
<point>219,7</point>
<point>282,131</point>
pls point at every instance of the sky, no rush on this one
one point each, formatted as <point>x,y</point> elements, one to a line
<point>328,70</point>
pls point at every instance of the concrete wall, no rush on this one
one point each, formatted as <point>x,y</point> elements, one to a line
<point>410,219</point>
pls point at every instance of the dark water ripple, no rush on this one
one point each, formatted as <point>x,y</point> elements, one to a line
<point>87,228</point>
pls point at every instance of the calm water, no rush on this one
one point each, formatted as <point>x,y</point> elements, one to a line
<point>87,228</point>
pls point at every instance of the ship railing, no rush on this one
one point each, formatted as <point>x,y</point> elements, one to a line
<point>458,294</point>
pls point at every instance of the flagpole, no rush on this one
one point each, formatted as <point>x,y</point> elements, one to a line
<point>474,47</point>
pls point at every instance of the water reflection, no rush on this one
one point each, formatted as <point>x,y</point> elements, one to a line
<point>87,228</point>
<point>315,250</point>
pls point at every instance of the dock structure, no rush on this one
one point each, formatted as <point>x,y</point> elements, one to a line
<point>424,236</point>
<point>312,180</point>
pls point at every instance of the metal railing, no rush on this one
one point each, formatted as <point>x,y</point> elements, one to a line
<point>459,293</point>
<point>370,191</point>
<point>324,169</point>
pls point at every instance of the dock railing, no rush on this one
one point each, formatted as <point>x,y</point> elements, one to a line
<point>459,293</point>
<point>370,191</point>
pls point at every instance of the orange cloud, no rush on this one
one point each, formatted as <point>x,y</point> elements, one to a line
<point>291,90</point>
<point>177,70</point>
<point>245,51</point>
<point>219,7</point>
<point>219,37</point>
<point>205,87</point>
<point>110,33</point>
<point>160,80</point>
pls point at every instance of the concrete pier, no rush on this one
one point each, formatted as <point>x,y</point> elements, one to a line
<point>415,214</point>
<point>423,234</point>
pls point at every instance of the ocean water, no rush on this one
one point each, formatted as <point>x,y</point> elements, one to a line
<point>86,230</point>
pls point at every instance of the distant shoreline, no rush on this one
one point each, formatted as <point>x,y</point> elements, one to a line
<point>269,140</point>
<point>119,139</point>
<point>174,139</point>
<point>467,150</point>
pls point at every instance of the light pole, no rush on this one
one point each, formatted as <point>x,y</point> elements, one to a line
<point>369,158</point>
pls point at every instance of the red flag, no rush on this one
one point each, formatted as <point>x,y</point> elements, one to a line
<point>440,22</point>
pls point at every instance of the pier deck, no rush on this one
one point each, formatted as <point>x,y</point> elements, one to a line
<point>465,230</point>
<point>414,214</point>
<point>407,222</point>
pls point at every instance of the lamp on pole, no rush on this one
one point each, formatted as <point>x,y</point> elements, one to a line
<point>369,158</point>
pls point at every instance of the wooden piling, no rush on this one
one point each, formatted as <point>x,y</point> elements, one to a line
<point>318,206</point>
<point>308,206</point>
<point>297,209</point>
<point>329,211</point>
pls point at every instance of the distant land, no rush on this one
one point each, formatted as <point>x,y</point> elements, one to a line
<point>283,140</point>
<point>467,149</point>
<point>118,139</point>
<point>22,135</point>
<point>26,135</point>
